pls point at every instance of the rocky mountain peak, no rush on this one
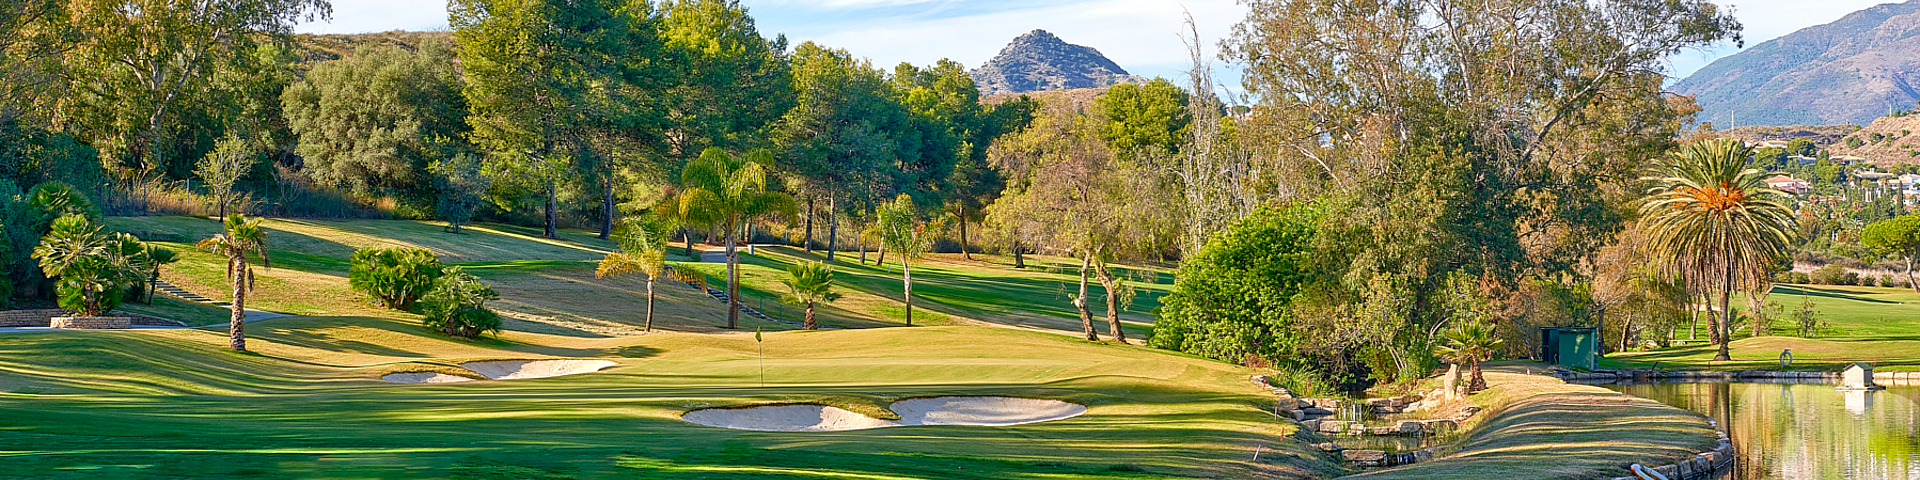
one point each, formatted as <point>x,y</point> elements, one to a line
<point>1038,60</point>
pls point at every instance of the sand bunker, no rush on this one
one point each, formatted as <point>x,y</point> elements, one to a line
<point>982,411</point>
<point>518,369</point>
<point>423,377</point>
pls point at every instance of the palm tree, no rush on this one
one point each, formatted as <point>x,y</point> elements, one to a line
<point>242,238</point>
<point>726,191</point>
<point>643,249</point>
<point>1713,223</point>
<point>809,283</point>
<point>1470,343</point>
<point>901,232</point>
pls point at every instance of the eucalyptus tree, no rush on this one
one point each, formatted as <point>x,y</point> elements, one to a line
<point>139,64</point>
<point>554,88</point>
<point>1712,222</point>
<point>726,191</point>
<point>840,132</point>
<point>241,240</point>
<point>643,249</point>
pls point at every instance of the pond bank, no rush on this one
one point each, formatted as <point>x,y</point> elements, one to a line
<point>1545,428</point>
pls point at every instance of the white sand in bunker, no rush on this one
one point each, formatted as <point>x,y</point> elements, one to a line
<point>979,411</point>
<point>518,369</point>
<point>423,377</point>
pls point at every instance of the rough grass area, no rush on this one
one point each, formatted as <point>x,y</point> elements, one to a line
<point>308,404</point>
<point>1550,430</point>
<point>1859,324</point>
<point>338,239</point>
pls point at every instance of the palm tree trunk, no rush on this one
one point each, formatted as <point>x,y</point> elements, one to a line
<point>906,276</point>
<point>650,304</point>
<point>1726,319</point>
<point>810,325</point>
<point>733,277</point>
<point>1479,382</point>
<point>1080,302</point>
<point>237,322</point>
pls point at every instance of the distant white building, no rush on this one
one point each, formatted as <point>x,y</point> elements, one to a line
<point>1789,184</point>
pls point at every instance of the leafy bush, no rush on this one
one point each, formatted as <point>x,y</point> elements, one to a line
<point>457,305</point>
<point>1831,275</point>
<point>1232,300</point>
<point>1892,281</point>
<point>397,277</point>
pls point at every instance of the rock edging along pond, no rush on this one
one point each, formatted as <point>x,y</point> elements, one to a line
<point>1702,464</point>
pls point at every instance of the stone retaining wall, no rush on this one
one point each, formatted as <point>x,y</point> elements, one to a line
<point>44,318</point>
<point>91,323</point>
<point>1700,465</point>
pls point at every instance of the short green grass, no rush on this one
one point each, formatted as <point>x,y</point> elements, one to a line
<point>1858,324</point>
<point>1542,428</point>
<point>172,404</point>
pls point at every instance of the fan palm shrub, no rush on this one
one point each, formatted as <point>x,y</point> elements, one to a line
<point>93,270</point>
<point>1713,223</point>
<point>1470,343</point>
<point>807,284</point>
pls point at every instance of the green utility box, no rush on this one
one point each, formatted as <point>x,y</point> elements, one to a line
<point>1570,346</point>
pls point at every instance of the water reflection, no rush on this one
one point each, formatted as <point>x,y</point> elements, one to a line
<point>1806,430</point>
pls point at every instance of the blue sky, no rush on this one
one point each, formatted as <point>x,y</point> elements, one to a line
<point>1140,35</point>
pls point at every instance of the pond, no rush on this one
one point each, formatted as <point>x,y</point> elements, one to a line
<point>1787,430</point>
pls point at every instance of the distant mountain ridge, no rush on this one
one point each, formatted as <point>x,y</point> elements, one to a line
<point>1038,61</point>
<point>1850,71</point>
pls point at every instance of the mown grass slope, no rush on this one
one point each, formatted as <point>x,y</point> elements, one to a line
<point>1858,324</point>
<point>168,404</point>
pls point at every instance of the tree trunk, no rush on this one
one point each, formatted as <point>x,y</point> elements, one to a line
<point>687,234</point>
<point>1019,260</point>
<point>964,253</point>
<point>1080,303</point>
<point>1916,287</point>
<point>1479,382</point>
<point>650,304</point>
<point>882,261</point>
<point>1725,330</point>
<point>833,227</point>
<point>1113,302</point>
<point>1760,320</point>
<point>906,277</point>
<point>809,325</point>
<point>807,242</point>
<point>237,322</point>
<point>550,231</point>
<point>733,277</point>
<point>606,210</point>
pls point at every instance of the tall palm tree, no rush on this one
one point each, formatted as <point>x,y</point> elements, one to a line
<point>726,191</point>
<point>901,232</point>
<point>1470,343</point>
<point>809,283</point>
<point>243,238</point>
<point>643,249</point>
<point>1713,223</point>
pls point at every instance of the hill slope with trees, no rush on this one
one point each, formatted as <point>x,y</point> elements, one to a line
<point>1850,71</point>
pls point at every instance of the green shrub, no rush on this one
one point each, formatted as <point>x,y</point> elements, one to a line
<point>1891,281</point>
<point>1232,300</point>
<point>457,305</point>
<point>397,276</point>
<point>1832,274</point>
